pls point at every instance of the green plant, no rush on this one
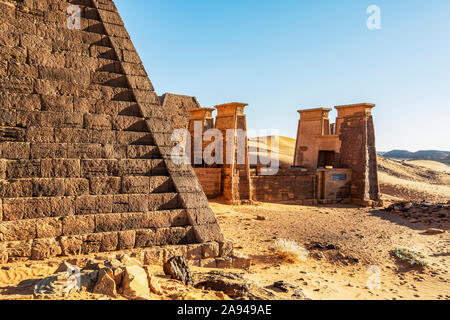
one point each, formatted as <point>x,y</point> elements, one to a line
<point>411,257</point>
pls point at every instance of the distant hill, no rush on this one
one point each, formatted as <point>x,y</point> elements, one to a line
<point>435,155</point>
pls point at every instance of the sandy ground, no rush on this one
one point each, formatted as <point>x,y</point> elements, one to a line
<point>365,234</point>
<point>360,240</point>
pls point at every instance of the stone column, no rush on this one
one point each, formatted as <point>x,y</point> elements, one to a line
<point>355,128</point>
<point>202,119</point>
<point>236,169</point>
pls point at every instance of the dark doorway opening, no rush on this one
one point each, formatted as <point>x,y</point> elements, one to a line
<point>326,159</point>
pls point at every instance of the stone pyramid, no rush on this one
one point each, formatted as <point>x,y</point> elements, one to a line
<point>85,143</point>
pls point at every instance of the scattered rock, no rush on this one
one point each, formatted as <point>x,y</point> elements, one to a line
<point>332,247</point>
<point>234,286</point>
<point>261,218</point>
<point>178,269</point>
<point>93,264</point>
<point>65,267</point>
<point>318,255</point>
<point>64,283</point>
<point>285,287</point>
<point>152,282</point>
<point>424,212</point>
<point>127,261</point>
<point>105,284</point>
<point>434,231</point>
<point>135,283</point>
<point>281,285</point>
<point>231,284</point>
<point>241,261</point>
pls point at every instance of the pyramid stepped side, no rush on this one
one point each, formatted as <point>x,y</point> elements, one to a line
<point>84,143</point>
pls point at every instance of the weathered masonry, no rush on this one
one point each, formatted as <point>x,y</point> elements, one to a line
<point>333,163</point>
<point>85,142</point>
<point>343,154</point>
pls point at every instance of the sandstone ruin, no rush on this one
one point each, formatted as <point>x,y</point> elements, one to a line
<point>85,142</point>
<point>334,163</point>
<point>85,147</point>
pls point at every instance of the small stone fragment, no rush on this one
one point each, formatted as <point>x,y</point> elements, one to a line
<point>178,269</point>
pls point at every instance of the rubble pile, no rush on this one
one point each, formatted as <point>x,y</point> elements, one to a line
<point>423,212</point>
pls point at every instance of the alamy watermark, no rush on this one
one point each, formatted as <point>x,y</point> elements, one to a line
<point>74,279</point>
<point>74,21</point>
<point>230,147</point>
<point>374,280</point>
<point>374,19</point>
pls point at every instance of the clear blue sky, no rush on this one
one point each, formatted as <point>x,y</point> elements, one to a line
<point>281,56</point>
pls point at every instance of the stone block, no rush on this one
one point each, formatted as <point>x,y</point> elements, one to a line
<point>45,249</point>
<point>145,238</point>
<point>210,250</point>
<point>224,263</point>
<point>94,204</point>
<point>194,252</point>
<point>77,225</point>
<point>17,230</point>
<point>108,222</point>
<point>110,242</point>
<point>153,256</point>
<point>72,245</point>
<point>136,184</point>
<point>49,228</point>
<point>127,240</point>
<point>19,249</point>
<point>92,243</point>
<point>208,233</point>
<point>121,203</point>
<point>60,168</point>
<point>208,263</point>
<point>15,150</point>
<point>226,248</point>
<point>105,185</point>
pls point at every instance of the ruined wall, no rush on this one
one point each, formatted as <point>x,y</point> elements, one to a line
<point>334,185</point>
<point>288,186</point>
<point>84,142</point>
<point>177,107</point>
<point>211,181</point>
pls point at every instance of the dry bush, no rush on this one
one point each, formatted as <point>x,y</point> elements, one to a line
<point>290,251</point>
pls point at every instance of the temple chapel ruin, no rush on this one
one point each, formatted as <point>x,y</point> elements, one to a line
<point>334,163</point>
<point>85,147</point>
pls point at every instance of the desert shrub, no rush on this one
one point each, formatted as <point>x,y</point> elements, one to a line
<point>290,251</point>
<point>411,257</point>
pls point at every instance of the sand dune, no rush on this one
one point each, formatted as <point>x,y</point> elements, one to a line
<point>431,165</point>
<point>261,145</point>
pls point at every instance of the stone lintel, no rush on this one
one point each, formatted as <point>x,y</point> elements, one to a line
<point>233,108</point>
<point>315,113</point>
<point>201,113</point>
<point>355,109</point>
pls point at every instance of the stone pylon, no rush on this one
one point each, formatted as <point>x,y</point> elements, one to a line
<point>231,120</point>
<point>356,132</point>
